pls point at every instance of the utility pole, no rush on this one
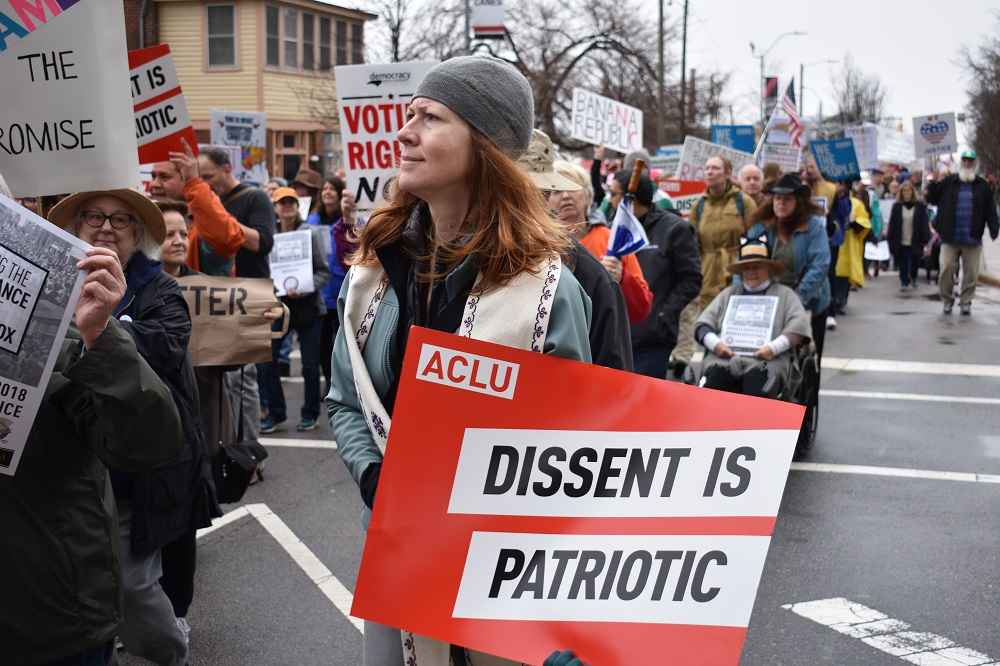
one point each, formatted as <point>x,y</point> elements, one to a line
<point>468,36</point>
<point>659,94</point>
<point>684,46</point>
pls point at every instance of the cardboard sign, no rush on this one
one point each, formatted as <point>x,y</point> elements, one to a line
<point>161,115</point>
<point>247,131</point>
<point>836,159</point>
<point>894,146</point>
<point>788,157</point>
<point>602,121</point>
<point>487,17</point>
<point>373,100</point>
<point>65,117</point>
<point>684,193</point>
<point>532,513</point>
<point>227,319</point>
<point>865,139</point>
<point>935,135</point>
<point>39,289</point>
<point>696,151</point>
<point>740,137</point>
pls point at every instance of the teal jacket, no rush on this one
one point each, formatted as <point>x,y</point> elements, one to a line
<point>567,337</point>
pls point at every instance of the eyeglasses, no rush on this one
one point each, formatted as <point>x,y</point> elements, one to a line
<point>96,219</point>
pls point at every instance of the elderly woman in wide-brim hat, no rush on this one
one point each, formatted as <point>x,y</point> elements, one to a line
<point>748,348</point>
<point>154,508</point>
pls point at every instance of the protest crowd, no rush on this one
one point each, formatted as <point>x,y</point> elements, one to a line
<point>487,231</point>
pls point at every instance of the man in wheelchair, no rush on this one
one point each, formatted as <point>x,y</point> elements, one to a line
<point>750,329</point>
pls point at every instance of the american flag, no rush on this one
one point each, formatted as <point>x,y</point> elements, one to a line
<point>795,129</point>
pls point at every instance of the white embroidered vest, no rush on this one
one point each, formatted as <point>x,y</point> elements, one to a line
<point>516,315</point>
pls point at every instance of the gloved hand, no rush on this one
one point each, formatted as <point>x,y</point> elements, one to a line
<point>369,484</point>
<point>563,658</point>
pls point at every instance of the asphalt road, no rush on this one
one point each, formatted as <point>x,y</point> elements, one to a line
<point>920,550</point>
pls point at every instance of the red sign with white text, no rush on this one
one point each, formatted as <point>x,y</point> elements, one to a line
<point>685,193</point>
<point>161,115</point>
<point>529,503</point>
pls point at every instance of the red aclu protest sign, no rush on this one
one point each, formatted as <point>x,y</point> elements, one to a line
<point>529,503</point>
<point>161,115</point>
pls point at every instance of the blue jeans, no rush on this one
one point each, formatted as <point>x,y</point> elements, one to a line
<point>651,361</point>
<point>271,392</point>
<point>908,265</point>
<point>99,656</point>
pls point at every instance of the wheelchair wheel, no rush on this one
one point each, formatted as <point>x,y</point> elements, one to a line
<point>810,399</point>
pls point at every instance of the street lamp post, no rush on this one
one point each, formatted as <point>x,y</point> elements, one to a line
<point>802,78</point>
<point>762,56</point>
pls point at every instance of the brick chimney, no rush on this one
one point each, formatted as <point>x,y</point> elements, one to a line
<point>134,22</point>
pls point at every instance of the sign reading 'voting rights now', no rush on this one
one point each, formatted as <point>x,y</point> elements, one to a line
<point>534,512</point>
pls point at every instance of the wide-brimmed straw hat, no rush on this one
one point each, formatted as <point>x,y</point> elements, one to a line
<point>755,252</point>
<point>63,214</point>
<point>537,161</point>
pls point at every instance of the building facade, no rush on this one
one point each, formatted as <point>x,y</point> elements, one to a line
<point>258,55</point>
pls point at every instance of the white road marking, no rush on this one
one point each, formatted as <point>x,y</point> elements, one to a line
<point>293,380</point>
<point>299,443</point>
<point>910,367</point>
<point>900,472</point>
<point>917,397</point>
<point>323,578</point>
<point>887,634</point>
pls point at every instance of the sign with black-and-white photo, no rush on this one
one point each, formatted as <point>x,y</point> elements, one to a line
<point>291,263</point>
<point>39,288</point>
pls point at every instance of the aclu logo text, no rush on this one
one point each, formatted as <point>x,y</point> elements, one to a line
<point>470,372</point>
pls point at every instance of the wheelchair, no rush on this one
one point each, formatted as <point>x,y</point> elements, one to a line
<point>799,385</point>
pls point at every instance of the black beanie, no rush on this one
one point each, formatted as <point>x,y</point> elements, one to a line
<point>644,193</point>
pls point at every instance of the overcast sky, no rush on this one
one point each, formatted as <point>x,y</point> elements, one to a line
<point>912,46</point>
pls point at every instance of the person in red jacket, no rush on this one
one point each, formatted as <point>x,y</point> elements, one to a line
<point>572,209</point>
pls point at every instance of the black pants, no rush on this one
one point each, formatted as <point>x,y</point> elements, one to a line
<point>178,572</point>
<point>752,382</point>
<point>818,323</point>
<point>908,262</point>
<point>327,334</point>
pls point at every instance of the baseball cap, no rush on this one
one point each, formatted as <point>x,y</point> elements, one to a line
<point>968,155</point>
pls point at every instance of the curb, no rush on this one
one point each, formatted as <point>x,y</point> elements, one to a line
<point>989,279</point>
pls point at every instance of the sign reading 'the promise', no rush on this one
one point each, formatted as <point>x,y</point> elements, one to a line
<point>529,503</point>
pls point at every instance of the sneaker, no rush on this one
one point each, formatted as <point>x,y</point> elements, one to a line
<point>269,425</point>
<point>966,309</point>
<point>948,307</point>
<point>305,425</point>
<point>831,324</point>
<point>185,628</point>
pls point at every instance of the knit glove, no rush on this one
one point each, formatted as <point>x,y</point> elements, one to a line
<point>369,484</point>
<point>563,658</point>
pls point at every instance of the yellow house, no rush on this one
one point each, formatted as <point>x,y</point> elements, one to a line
<point>259,55</point>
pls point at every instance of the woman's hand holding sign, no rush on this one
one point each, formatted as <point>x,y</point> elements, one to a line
<point>103,289</point>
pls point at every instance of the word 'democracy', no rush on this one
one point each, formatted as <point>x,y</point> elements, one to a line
<point>602,121</point>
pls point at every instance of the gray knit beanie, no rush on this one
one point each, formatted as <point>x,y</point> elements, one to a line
<point>487,93</point>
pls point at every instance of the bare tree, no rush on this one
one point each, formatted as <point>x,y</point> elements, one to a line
<point>983,67</point>
<point>860,97</point>
<point>600,45</point>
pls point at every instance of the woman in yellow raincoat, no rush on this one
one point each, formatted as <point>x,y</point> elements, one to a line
<point>850,260</point>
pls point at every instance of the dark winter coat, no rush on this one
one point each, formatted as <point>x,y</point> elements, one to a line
<point>59,556</point>
<point>944,195</point>
<point>610,342</point>
<point>176,498</point>
<point>672,268</point>
<point>921,227</point>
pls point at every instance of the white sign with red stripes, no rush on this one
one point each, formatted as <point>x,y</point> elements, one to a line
<point>161,114</point>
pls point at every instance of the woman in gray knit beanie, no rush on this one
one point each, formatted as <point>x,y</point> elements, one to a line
<point>464,245</point>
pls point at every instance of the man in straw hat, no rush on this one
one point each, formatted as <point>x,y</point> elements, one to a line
<point>749,328</point>
<point>610,343</point>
